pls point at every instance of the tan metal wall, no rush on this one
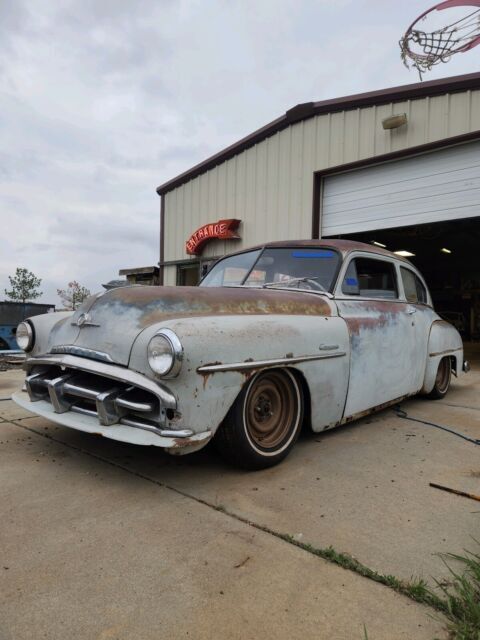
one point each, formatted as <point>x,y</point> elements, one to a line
<point>270,186</point>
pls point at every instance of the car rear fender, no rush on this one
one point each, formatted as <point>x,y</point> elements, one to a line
<point>444,341</point>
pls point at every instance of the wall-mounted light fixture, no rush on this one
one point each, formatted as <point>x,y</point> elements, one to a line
<point>393,122</point>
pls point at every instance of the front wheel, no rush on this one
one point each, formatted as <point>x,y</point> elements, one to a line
<point>442,380</point>
<point>264,422</point>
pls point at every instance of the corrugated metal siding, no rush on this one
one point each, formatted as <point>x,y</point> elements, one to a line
<point>269,186</point>
<point>441,185</point>
<point>170,276</point>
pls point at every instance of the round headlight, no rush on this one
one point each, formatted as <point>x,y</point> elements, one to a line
<point>165,353</point>
<point>24,336</point>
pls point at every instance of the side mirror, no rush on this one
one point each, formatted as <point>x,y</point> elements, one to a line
<point>206,266</point>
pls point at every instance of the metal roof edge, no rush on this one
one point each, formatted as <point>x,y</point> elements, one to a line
<point>307,110</point>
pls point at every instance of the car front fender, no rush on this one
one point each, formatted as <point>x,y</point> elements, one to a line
<point>222,353</point>
<point>43,326</point>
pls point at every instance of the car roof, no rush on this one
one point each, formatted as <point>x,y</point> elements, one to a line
<point>343,246</point>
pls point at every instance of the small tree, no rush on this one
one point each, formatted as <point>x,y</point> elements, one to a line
<point>73,296</point>
<point>24,285</point>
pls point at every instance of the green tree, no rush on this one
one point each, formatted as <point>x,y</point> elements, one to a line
<point>25,286</point>
<point>73,296</point>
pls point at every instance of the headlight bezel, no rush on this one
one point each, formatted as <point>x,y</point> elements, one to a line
<point>176,351</point>
<point>30,334</point>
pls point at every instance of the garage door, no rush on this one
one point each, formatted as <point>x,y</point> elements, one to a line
<point>441,185</point>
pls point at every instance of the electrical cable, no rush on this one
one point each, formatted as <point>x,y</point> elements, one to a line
<point>403,414</point>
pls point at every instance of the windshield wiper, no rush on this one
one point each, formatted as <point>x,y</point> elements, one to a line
<point>286,283</point>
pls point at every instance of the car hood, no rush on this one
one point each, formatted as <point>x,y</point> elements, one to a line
<point>116,318</point>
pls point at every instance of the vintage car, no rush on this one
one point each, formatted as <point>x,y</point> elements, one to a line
<point>314,333</point>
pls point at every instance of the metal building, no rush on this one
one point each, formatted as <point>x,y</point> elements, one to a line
<point>399,167</point>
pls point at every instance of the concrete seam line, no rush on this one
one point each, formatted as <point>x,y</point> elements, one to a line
<point>461,406</point>
<point>343,560</point>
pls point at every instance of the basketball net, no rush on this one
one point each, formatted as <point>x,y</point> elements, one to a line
<point>423,49</point>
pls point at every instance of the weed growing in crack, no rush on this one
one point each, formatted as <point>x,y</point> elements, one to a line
<point>461,596</point>
<point>415,589</point>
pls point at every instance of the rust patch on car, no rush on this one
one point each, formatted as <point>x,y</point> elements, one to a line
<point>186,442</point>
<point>356,325</point>
<point>367,412</point>
<point>206,375</point>
<point>154,304</point>
<point>372,315</point>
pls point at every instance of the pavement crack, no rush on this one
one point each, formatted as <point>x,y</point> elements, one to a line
<point>460,406</point>
<point>416,590</point>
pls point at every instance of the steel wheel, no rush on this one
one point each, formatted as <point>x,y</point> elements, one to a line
<point>442,379</point>
<point>270,407</point>
<point>264,422</point>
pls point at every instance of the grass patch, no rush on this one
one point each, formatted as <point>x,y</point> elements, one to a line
<point>414,589</point>
<point>460,599</point>
<point>461,596</point>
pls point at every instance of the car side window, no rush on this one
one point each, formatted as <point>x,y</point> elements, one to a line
<point>421,291</point>
<point>350,282</point>
<point>409,285</point>
<point>414,288</point>
<point>370,278</point>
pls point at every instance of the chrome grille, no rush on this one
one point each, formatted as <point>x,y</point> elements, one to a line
<point>111,401</point>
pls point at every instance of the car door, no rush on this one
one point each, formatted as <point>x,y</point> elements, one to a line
<point>381,323</point>
<point>418,298</point>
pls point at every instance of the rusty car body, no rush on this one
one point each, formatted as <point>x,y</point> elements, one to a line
<point>316,332</point>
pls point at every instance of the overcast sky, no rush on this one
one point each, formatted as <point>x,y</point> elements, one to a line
<point>103,100</point>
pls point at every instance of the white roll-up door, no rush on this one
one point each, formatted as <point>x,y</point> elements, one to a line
<point>436,186</point>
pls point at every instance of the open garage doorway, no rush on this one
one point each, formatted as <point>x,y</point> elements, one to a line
<point>448,256</point>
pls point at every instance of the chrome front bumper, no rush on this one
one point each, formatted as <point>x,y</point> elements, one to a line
<point>120,432</point>
<point>105,399</point>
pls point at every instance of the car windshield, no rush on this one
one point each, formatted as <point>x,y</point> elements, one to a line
<point>299,267</point>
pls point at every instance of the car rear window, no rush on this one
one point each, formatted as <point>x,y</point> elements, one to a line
<point>370,278</point>
<point>414,288</point>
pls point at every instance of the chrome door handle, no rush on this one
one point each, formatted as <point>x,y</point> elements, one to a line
<point>411,311</point>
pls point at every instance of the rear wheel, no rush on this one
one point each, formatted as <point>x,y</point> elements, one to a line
<point>442,379</point>
<point>264,422</point>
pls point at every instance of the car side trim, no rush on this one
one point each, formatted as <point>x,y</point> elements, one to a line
<point>261,364</point>
<point>441,353</point>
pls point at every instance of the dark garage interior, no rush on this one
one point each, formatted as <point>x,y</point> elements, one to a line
<point>448,256</point>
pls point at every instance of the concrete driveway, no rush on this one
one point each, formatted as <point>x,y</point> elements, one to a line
<point>105,540</point>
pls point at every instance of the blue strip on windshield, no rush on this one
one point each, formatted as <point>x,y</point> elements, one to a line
<point>321,253</point>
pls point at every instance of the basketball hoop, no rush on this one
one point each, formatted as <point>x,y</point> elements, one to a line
<point>424,48</point>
